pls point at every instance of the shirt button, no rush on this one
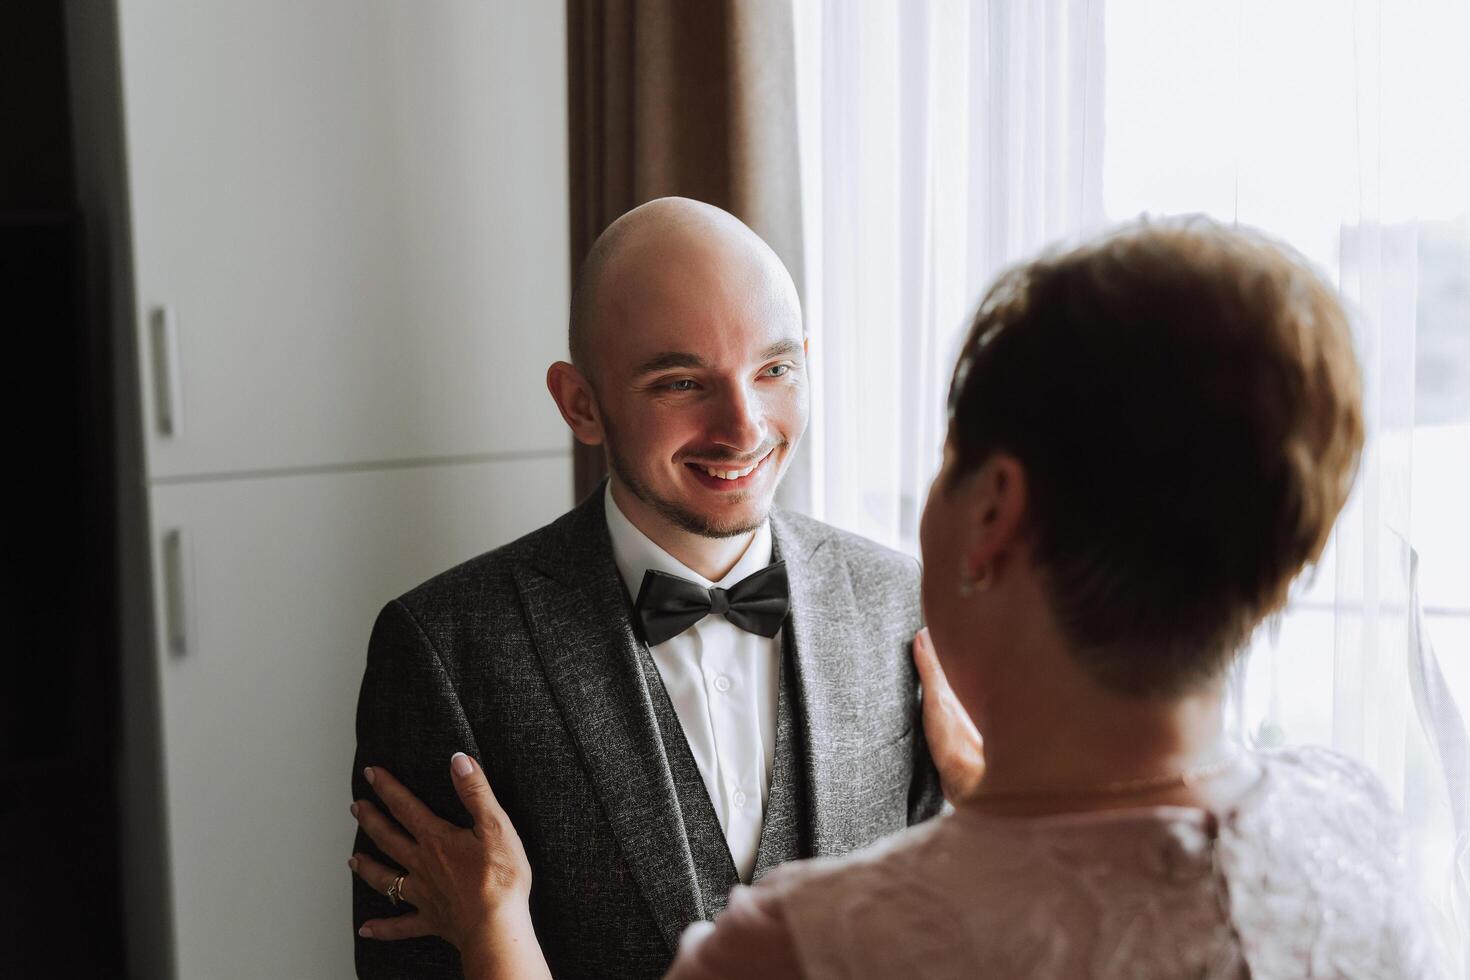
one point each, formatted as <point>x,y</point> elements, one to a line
<point>739,799</point>
<point>722,683</point>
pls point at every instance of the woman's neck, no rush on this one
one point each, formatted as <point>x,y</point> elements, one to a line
<point>1056,740</point>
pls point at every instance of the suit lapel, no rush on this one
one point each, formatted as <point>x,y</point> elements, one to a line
<point>714,869</point>
<point>579,617</point>
<point>823,629</point>
<point>786,835</point>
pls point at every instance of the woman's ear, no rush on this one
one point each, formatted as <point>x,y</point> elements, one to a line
<point>576,401</point>
<point>997,514</point>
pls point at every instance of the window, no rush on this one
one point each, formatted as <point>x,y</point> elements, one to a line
<point>943,141</point>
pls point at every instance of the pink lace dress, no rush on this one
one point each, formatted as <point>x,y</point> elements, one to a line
<point>1301,878</point>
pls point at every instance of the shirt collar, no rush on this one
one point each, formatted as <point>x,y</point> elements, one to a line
<point>634,553</point>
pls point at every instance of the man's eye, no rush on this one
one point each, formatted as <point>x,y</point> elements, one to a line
<point>683,384</point>
<point>777,370</point>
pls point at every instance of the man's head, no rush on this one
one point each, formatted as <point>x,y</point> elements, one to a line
<point>688,361</point>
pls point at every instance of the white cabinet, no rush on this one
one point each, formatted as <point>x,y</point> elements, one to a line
<point>288,574</point>
<point>356,211</point>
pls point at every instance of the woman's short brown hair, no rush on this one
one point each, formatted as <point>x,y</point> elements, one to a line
<point>1186,403</point>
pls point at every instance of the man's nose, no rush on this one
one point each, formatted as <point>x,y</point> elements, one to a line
<point>740,421</point>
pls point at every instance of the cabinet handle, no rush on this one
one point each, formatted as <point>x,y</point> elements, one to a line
<point>167,394</point>
<point>179,590</point>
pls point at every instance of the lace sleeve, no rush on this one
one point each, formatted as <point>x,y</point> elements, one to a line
<point>1318,878</point>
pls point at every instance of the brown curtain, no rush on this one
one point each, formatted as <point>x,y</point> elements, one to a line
<point>689,97</point>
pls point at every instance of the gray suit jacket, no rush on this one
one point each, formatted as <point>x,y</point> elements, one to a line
<point>525,658</point>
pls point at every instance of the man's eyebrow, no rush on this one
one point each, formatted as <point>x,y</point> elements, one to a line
<point>670,359</point>
<point>683,359</point>
<point>781,348</point>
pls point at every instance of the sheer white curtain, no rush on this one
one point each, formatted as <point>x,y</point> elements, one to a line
<point>942,141</point>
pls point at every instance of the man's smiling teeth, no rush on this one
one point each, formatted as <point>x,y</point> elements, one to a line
<point>719,474</point>
<point>729,474</point>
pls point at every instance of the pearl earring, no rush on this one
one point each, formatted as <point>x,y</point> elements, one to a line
<point>979,583</point>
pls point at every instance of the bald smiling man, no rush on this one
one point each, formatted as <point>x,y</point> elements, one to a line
<point>676,686</point>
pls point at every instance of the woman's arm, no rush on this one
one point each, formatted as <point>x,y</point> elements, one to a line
<point>749,939</point>
<point>470,886</point>
<point>506,950</point>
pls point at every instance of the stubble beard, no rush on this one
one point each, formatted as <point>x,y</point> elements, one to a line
<point>680,517</point>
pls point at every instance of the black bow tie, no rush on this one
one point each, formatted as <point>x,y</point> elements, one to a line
<point>667,605</point>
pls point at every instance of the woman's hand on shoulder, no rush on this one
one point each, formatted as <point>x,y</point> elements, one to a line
<point>955,744</point>
<point>470,887</point>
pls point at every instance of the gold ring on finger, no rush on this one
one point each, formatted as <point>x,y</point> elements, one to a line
<point>395,890</point>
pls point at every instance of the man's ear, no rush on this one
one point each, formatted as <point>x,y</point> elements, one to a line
<point>576,401</point>
<point>997,503</point>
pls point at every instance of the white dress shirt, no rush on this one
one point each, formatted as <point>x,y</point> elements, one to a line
<point>722,682</point>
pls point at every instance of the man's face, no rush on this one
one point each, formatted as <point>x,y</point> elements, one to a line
<point>701,384</point>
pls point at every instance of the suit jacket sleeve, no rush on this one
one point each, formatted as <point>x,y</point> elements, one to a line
<point>409,720</point>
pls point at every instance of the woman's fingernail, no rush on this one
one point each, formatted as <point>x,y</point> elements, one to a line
<point>353,808</point>
<point>367,773</point>
<point>352,863</point>
<point>459,764</point>
<point>365,932</point>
